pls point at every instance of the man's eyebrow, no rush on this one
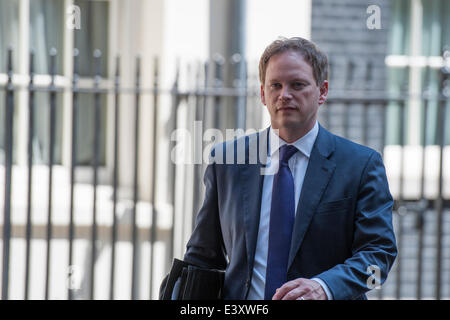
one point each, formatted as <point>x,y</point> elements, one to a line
<point>301,80</point>
<point>291,80</point>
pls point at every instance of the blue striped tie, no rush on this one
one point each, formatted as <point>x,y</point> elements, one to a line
<point>282,216</point>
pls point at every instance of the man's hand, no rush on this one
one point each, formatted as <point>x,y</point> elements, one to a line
<point>300,289</point>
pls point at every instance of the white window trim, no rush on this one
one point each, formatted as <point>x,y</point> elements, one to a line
<point>416,62</point>
<point>62,82</point>
<point>402,61</point>
<point>21,79</point>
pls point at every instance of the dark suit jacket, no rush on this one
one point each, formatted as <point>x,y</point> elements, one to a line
<point>342,227</point>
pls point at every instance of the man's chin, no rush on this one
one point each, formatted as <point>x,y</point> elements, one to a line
<point>291,125</point>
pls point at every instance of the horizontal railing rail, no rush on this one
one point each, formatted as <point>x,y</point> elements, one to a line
<point>349,110</point>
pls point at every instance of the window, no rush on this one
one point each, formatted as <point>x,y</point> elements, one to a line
<point>9,35</point>
<point>9,31</point>
<point>44,29</point>
<point>420,30</point>
<point>47,32</point>
<point>92,35</point>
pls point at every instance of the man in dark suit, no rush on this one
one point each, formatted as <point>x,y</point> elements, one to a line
<point>312,217</point>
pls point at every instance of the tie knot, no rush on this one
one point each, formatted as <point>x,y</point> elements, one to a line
<point>286,152</point>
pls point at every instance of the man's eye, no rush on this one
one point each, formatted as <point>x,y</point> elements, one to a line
<point>276,85</point>
<point>298,85</point>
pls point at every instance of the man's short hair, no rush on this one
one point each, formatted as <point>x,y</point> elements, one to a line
<point>316,58</point>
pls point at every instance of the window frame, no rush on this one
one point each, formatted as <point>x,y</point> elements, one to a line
<point>414,61</point>
<point>21,78</point>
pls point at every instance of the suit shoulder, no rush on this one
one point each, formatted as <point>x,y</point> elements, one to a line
<point>352,149</point>
<point>240,142</point>
<point>240,138</point>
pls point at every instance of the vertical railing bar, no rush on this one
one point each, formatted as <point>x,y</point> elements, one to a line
<point>383,127</point>
<point>237,63</point>
<point>383,143</point>
<point>30,164</point>
<point>207,71</point>
<point>347,103</point>
<point>9,131</point>
<point>219,63</point>
<point>365,123</point>
<point>445,101</point>
<point>175,102</point>
<point>198,144</point>
<point>244,98</point>
<point>200,115</point>
<point>154,147</point>
<point>73,163</point>
<point>115,176</point>
<point>400,207</point>
<point>97,67</point>
<point>439,203</point>
<point>366,105</point>
<point>134,231</point>
<point>421,212</point>
<point>30,173</point>
<point>346,121</point>
<point>52,89</point>
<point>183,174</point>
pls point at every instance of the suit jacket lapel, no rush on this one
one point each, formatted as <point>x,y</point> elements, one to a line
<point>319,171</point>
<point>252,182</point>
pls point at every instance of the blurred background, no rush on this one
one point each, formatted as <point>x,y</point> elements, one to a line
<point>105,107</point>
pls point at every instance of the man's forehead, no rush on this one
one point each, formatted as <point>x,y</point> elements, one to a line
<point>287,66</point>
<point>290,55</point>
<point>289,77</point>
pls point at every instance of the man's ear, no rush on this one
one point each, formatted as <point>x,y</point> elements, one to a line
<point>323,92</point>
<point>263,97</point>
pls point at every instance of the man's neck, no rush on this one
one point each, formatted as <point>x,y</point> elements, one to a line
<point>293,134</point>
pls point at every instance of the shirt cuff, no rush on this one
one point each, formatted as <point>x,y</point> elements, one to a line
<point>325,288</point>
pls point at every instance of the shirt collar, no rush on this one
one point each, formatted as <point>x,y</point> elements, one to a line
<point>304,144</point>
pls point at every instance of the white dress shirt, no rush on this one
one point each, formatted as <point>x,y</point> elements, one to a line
<point>297,164</point>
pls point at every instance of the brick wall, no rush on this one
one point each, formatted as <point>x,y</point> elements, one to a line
<point>339,27</point>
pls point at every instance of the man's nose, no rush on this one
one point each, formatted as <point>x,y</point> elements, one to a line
<point>285,93</point>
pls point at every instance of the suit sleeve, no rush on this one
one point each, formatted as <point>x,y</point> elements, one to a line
<point>205,248</point>
<point>374,247</point>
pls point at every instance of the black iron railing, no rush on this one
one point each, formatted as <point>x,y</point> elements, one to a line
<point>207,95</point>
